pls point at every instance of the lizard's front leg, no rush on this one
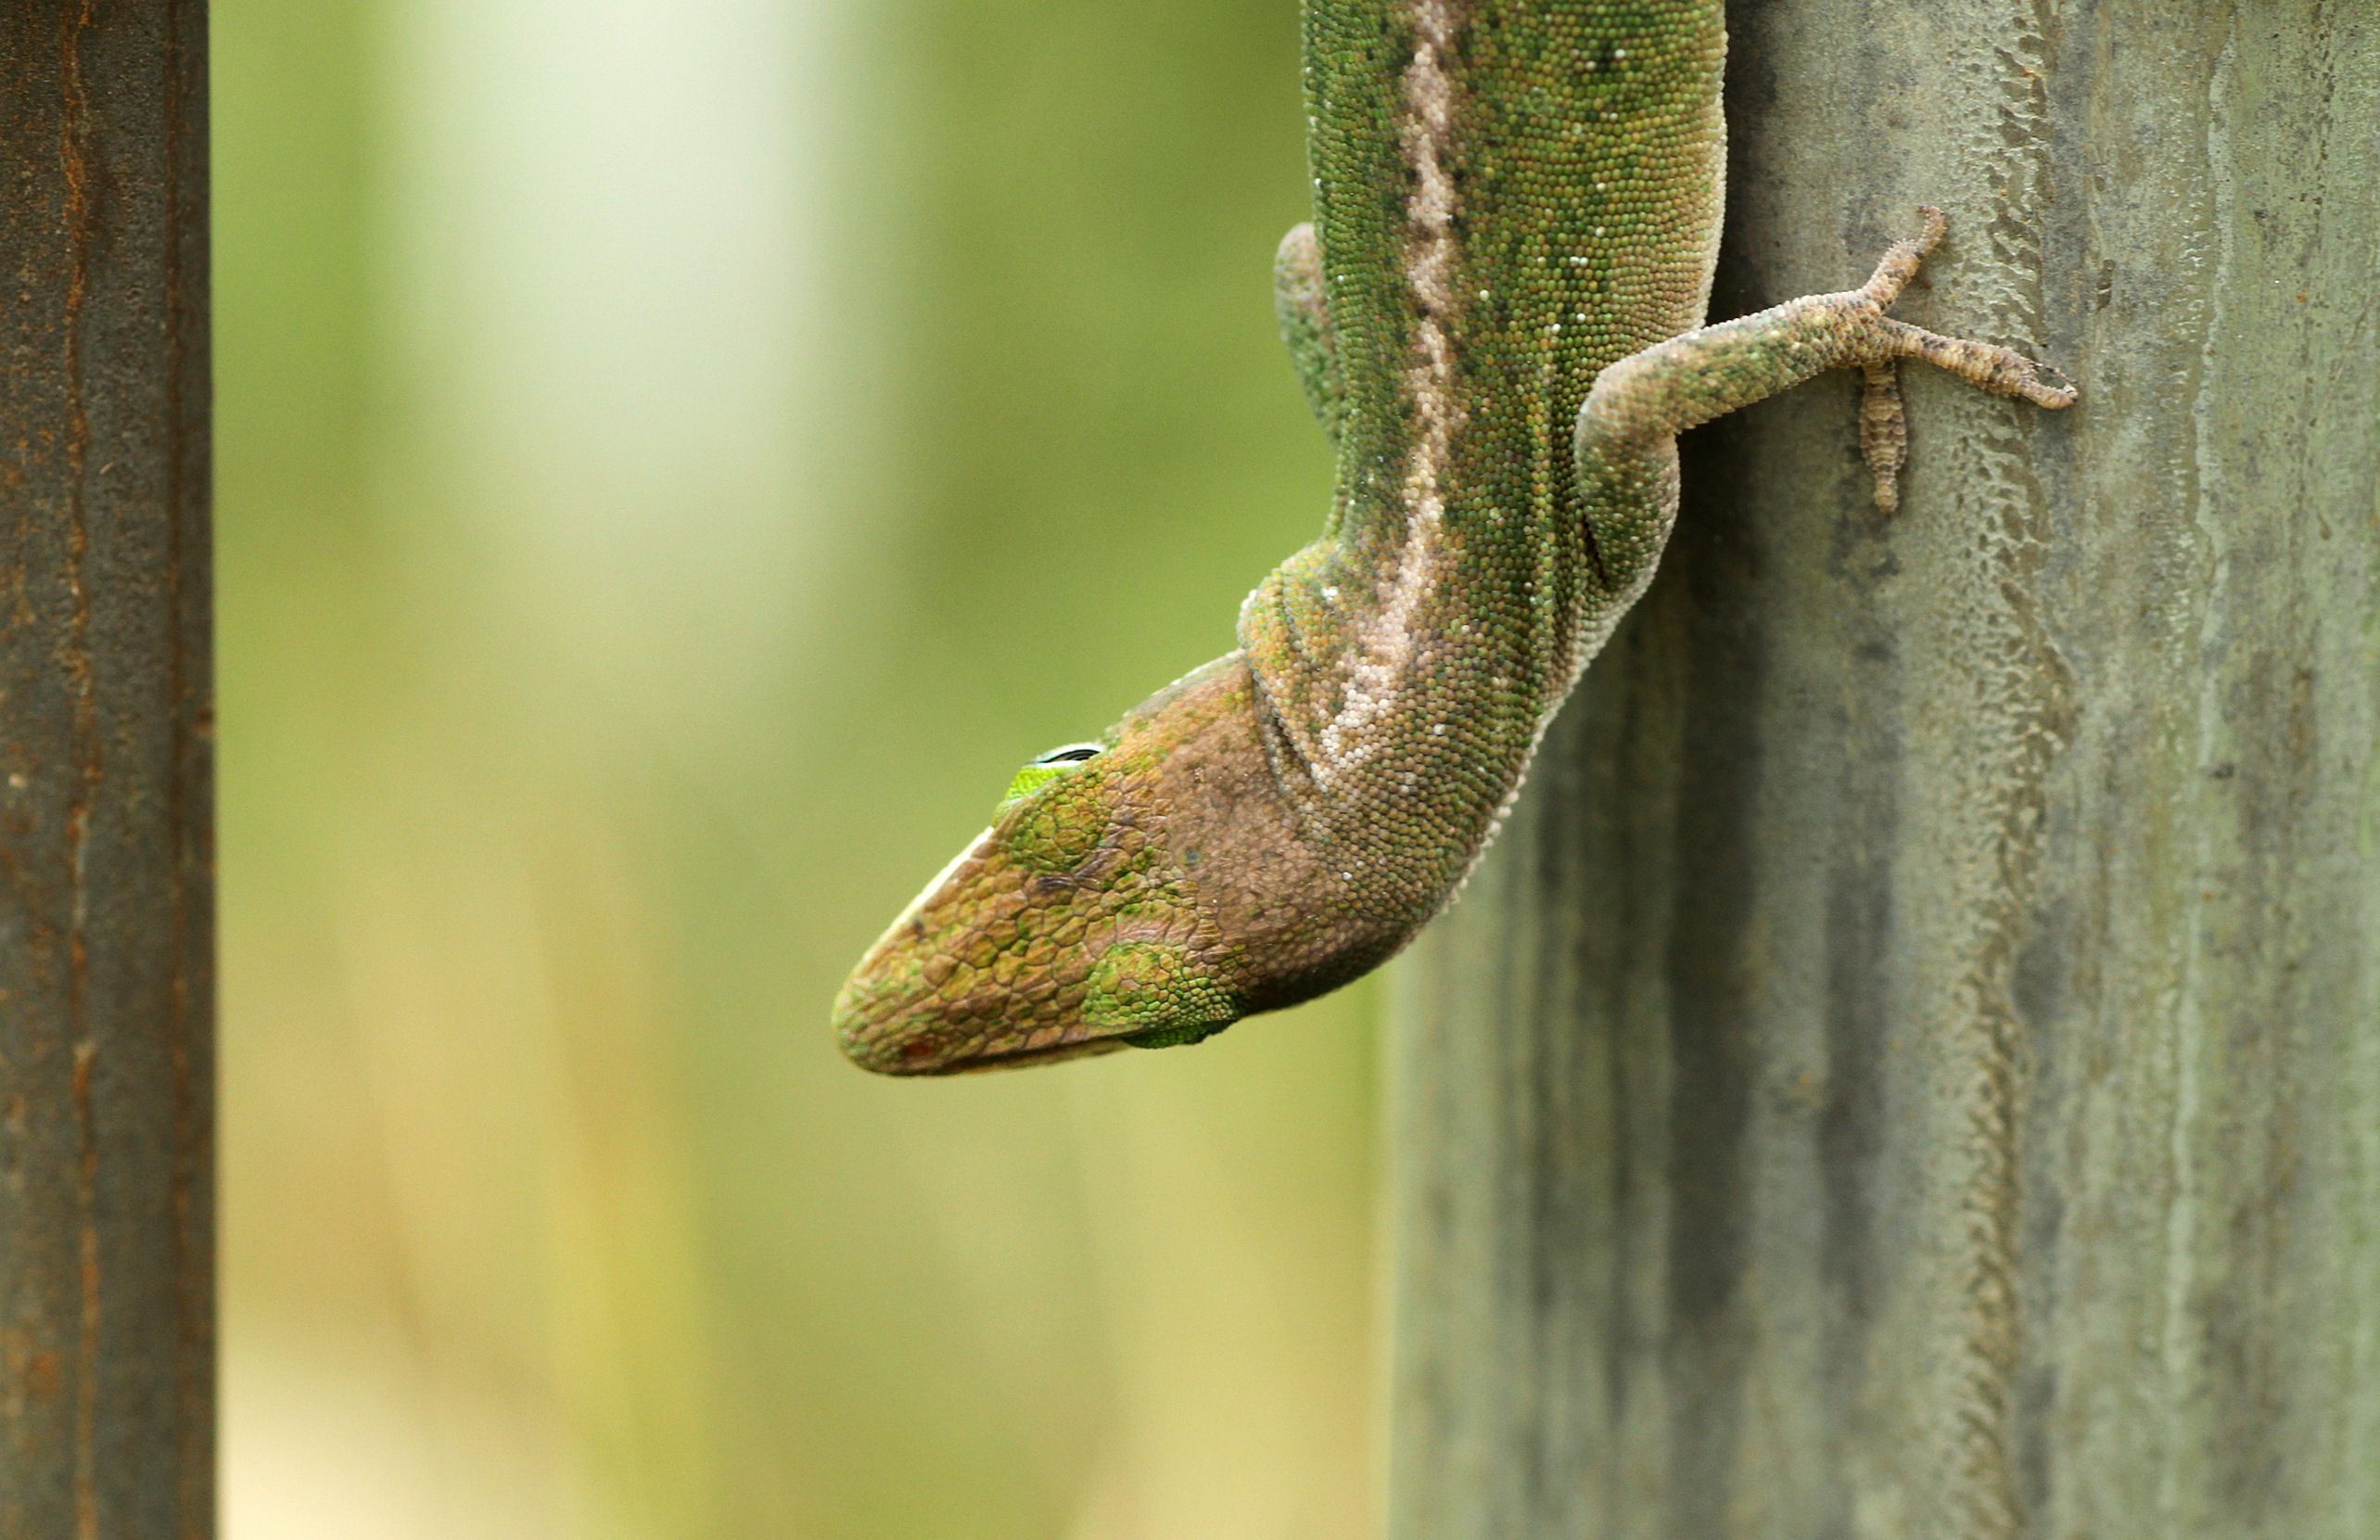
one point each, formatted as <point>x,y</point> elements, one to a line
<point>1302,305</point>
<point>1626,444</point>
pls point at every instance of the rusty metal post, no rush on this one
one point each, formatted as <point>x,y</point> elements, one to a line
<point>106,842</point>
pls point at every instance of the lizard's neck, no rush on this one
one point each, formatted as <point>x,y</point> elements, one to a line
<point>1502,211</point>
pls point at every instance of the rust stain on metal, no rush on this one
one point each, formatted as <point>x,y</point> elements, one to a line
<point>75,165</point>
<point>87,1368</point>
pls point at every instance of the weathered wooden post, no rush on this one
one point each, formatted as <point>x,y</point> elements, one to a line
<point>106,853</point>
<point>1912,1067</point>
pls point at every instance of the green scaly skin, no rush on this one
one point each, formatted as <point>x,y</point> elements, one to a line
<point>1495,317</point>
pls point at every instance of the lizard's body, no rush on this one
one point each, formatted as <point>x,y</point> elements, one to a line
<point>1513,205</point>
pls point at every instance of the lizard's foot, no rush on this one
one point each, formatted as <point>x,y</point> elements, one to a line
<point>1625,444</point>
<point>1883,426</point>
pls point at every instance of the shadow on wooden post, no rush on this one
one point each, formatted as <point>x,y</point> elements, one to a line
<point>106,842</point>
<point>1912,1066</point>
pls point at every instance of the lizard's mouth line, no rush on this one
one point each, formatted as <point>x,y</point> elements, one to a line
<point>1048,1053</point>
<point>968,1063</point>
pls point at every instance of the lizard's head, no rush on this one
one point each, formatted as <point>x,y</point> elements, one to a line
<point>1066,928</point>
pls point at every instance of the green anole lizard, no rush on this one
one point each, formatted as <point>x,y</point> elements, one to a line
<point>1497,316</point>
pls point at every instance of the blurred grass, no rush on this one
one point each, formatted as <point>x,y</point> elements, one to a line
<point>675,461</point>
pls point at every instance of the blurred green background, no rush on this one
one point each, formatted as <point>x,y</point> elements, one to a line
<point>678,457</point>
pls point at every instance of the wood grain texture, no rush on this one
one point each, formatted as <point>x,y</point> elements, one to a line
<point>106,852</point>
<point>1912,1064</point>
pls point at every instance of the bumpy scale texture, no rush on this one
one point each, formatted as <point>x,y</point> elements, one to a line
<point>1504,207</point>
<point>1517,210</point>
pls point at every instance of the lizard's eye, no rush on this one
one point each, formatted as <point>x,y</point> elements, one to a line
<point>1040,771</point>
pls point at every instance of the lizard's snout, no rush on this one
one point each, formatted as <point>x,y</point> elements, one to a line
<point>1066,928</point>
<point>997,964</point>
<point>973,975</point>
